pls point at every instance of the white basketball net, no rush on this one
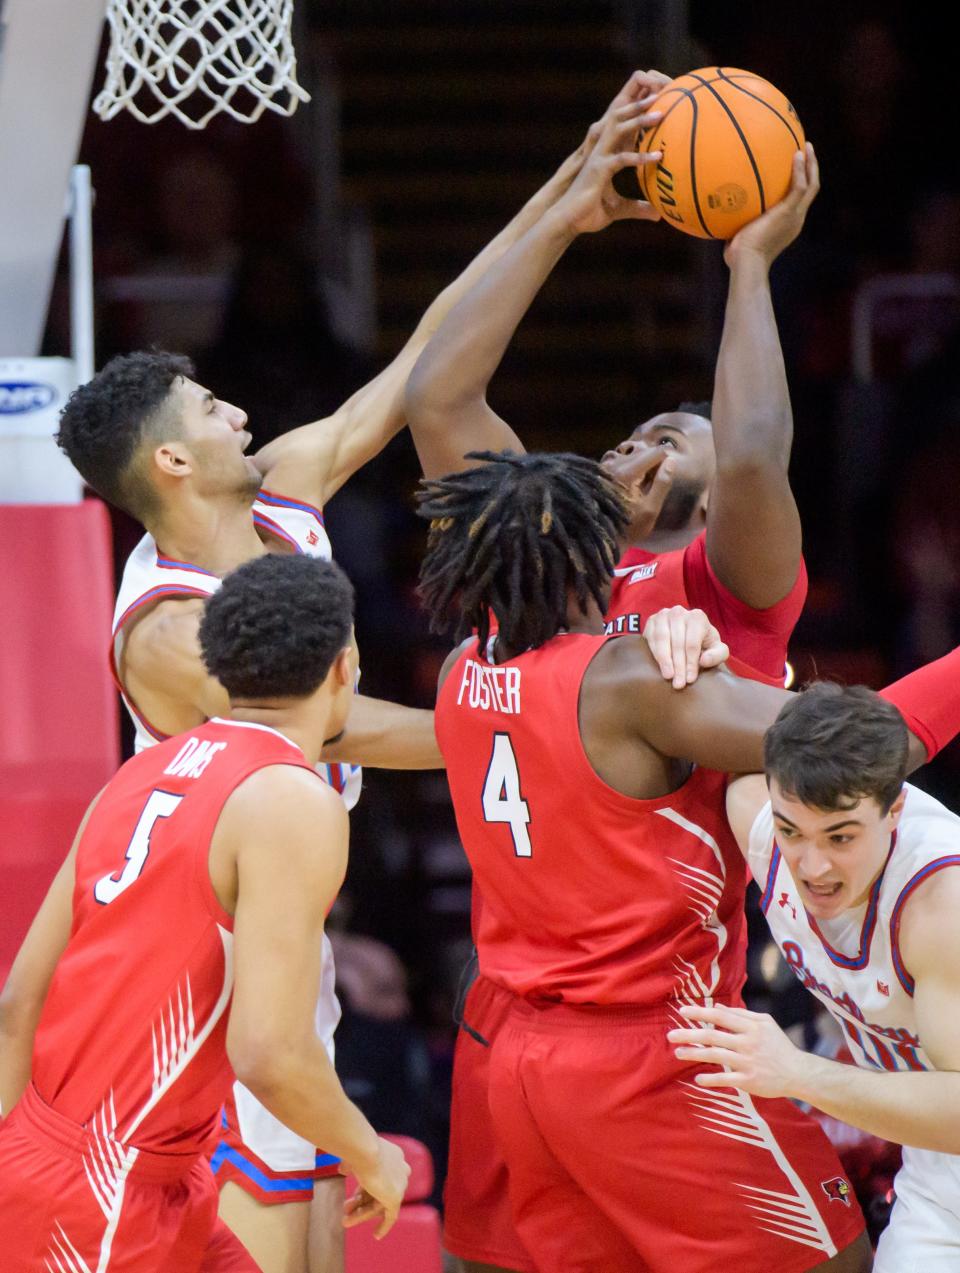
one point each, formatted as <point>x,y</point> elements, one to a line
<point>234,56</point>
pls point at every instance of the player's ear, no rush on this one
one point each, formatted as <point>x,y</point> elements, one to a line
<point>343,672</point>
<point>173,459</point>
<point>897,808</point>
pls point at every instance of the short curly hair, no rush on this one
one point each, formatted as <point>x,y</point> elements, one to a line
<point>105,420</point>
<point>276,625</point>
<point>834,745</point>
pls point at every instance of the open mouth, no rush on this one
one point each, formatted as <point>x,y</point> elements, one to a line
<point>822,891</point>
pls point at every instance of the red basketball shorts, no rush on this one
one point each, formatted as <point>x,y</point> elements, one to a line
<point>477,1222</point>
<point>266,1159</point>
<point>71,1199</point>
<point>618,1162</point>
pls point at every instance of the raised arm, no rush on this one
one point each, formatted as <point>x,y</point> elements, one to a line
<point>909,1108</point>
<point>446,394</point>
<point>25,991</point>
<point>753,527</point>
<point>285,817</point>
<point>314,461</point>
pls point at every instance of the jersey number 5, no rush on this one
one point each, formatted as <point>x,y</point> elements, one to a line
<point>160,805</point>
<point>502,798</point>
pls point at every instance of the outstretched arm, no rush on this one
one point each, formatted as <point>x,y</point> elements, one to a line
<point>909,1108</point>
<point>162,657</point>
<point>382,735</point>
<point>753,527</point>
<point>314,461</point>
<point>446,394</point>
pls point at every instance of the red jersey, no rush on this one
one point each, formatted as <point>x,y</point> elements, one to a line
<point>645,582</point>
<point>589,896</point>
<point>132,1039</point>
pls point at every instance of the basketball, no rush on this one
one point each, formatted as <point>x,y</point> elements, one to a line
<point>728,139</point>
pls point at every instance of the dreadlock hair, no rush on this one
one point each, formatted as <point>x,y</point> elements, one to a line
<point>105,420</point>
<point>516,534</point>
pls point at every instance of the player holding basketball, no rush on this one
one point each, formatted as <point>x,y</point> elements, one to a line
<point>171,948</point>
<point>613,891</point>
<point>854,867</point>
<point>713,524</point>
<point>155,442</point>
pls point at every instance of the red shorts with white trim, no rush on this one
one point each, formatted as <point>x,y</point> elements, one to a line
<point>618,1162</point>
<point>266,1159</point>
<point>73,1201</point>
<point>477,1222</point>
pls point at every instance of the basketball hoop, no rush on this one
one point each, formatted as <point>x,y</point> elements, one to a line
<point>194,59</point>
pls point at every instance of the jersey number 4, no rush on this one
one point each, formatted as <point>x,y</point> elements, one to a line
<point>502,798</point>
<point>160,805</point>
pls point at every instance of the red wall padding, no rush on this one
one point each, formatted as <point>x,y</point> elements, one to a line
<point>58,707</point>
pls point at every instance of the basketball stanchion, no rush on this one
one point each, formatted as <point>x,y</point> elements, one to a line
<point>194,59</point>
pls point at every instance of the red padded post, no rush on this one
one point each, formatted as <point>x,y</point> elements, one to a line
<point>59,739</point>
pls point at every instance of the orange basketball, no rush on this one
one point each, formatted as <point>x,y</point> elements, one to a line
<point>728,139</point>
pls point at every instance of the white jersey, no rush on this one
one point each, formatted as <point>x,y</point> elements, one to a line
<point>853,963</point>
<point>149,577</point>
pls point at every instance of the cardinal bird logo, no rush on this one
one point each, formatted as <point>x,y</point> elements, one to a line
<point>837,1190</point>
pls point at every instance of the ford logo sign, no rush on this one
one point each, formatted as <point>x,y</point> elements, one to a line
<point>18,397</point>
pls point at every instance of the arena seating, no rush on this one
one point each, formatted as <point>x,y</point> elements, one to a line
<point>413,1244</point>
<point>58,724</point>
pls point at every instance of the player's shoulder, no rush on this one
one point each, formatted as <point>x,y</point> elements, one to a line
<point>927,917</point>
<point>624,658</point>
<point>165,627</point>
<point>453,657</point>
<point>748,812</point>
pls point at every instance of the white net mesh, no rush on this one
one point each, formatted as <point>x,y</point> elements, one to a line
<point>197,58</point>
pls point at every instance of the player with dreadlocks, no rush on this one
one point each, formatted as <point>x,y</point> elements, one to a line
<point>613,893</point>
<point>713,524</point>
<point>536,495</point>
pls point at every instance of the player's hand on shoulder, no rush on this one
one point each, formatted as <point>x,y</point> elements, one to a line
<point>756,1055</point>
<point>774,231</point>
<point>682,642</point>
<point>383,1184</point>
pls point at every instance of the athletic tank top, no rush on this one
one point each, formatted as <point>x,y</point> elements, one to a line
<point>132,1039</point>
<point>853,963</point>
<point>149,577</point>
<point>589,896</point>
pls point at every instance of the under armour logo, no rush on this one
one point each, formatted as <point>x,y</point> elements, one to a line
<point>883,987</point>
<point>785,901</point>
<point>312,537</point>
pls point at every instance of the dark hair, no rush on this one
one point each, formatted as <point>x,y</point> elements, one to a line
<point>105,420</point>
<point>695,408</point>
<point>275,627</point>
<point>834,745</point>
<point>513,535</point>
